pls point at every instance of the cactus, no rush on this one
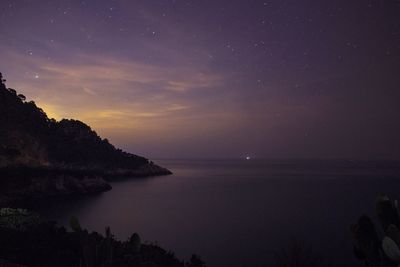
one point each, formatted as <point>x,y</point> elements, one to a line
<point>393,232</point>
<point>391,249</point>
<point>387,212</point>
<point>367,244</point>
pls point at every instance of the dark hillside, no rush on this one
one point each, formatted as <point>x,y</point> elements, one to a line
<point>41,157</point>
<point>29,137</point>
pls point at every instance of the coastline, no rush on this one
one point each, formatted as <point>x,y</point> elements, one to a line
<point>22,184</point>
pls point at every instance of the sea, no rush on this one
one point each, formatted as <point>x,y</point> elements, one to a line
<point>238,212</point>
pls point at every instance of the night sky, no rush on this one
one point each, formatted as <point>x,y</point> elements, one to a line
<point>222,78</point>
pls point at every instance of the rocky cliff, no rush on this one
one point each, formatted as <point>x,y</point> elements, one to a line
<point>57,157</point>
<point>21,184</point>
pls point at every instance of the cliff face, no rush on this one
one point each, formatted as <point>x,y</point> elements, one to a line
<point>21,185</point>
<point>28,138</point>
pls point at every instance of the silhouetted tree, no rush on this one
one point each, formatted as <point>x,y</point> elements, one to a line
<point>1,78</point>
<point>22,97</point>
<point>2,82</point>
<point>13,91</point>
<point>195,261</point>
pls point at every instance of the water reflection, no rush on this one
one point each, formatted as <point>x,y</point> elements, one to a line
<point>249,209</point>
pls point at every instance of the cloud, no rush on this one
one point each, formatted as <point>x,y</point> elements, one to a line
<point>110,93</point>
<point>197,81</point>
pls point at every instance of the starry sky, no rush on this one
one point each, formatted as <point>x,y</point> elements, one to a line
<point>214,78</point>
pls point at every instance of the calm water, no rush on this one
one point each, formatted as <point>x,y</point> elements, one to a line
<point>240,213</point>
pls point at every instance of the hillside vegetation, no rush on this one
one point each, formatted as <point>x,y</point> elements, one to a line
<point>29,137</point>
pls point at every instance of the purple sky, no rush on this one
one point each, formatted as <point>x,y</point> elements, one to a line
<point>224,78</point>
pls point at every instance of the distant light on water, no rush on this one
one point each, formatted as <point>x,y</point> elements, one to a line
<point>248,158</point>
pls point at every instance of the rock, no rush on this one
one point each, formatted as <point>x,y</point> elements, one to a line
<point>39,184</point>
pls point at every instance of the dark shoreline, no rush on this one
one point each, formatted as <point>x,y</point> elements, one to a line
<point>23,184</point>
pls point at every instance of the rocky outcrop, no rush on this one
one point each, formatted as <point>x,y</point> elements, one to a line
<point>42,157</point>
<point>143,171</point>
<point>17,187</point>
<point>66,185</point>
<point>29,138</point>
